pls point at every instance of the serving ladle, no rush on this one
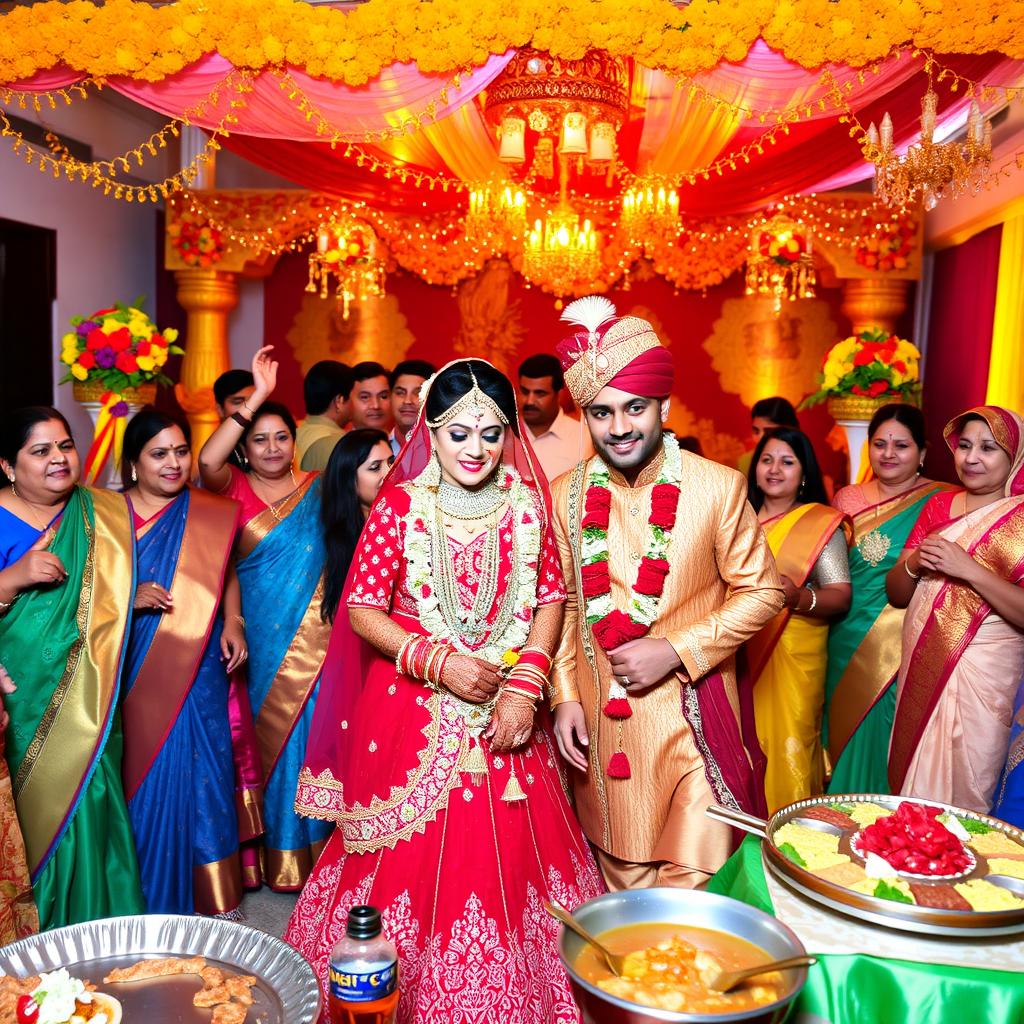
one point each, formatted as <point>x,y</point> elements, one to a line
<point>728,980</point>
<point>613,960</point>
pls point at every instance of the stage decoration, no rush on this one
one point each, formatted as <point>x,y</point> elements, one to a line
<point>497,211</point>
<point>560,98</point>
<point>780,262</point>
<point>348,251</point>
<point>197,243</point>
<point>353,46</point>
<point>560,253</point>
<point>115,359</point>
<point>649,209</point>
<point>886,247</point>
<point>930,170</point>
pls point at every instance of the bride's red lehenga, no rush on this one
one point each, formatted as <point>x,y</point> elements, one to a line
<point>458,871</point>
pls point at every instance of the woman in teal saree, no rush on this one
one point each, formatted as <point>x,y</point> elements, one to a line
<point>864,646</point>
<point>66,593</point>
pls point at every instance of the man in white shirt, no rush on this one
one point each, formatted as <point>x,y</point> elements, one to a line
<point>559,440</point>
<point>406,379</point>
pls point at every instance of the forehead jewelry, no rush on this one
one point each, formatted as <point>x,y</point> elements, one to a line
<point>474,404</point>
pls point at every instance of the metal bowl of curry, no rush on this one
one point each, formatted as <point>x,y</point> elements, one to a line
<point>724,931</point>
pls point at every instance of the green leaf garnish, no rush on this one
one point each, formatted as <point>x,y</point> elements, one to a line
<point>886,891</point>
<point>843,808</point>
<point>790,851</point>
<point>976,828</point>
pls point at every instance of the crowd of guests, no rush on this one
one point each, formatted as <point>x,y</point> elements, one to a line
<point>162,647</point>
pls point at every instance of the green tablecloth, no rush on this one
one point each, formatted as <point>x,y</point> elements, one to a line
<point>859,989</point>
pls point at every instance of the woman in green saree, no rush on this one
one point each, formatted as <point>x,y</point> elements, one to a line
<point>66,593</point>
<point>864,647</point>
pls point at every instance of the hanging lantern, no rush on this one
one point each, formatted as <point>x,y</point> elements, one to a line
<point>780,262</point>
<point>513,140</point>
<point>574,135</point>
<point>347,250</point>
<point>602,143</point>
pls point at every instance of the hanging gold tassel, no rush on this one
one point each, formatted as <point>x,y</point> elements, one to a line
<point>513,791</point>
<point>474,761</point>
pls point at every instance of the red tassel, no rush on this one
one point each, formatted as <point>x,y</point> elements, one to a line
<point>618,707</point>
<point>618,766</point>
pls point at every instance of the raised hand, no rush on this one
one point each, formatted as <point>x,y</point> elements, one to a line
<point>264,374</point>
<point>470,678</point>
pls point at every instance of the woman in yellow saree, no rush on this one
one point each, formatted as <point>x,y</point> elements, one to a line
<point>962,582</point>
<point>66,593</point>
<point>864,645</point>
<point>787,658</point>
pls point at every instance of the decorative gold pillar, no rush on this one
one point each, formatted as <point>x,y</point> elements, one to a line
<point>874,302</point>
<point>208,296</point>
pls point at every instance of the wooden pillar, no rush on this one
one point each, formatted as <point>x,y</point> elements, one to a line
<point>208,296</point>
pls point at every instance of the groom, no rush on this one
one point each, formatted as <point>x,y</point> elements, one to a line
<point>668,573</point>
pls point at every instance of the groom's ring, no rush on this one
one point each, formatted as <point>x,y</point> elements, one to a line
<point>625,680</point>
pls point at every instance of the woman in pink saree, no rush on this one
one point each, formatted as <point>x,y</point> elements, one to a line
<point>962,582</point>
<point>427,749</point>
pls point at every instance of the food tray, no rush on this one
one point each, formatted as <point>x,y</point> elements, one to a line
<point>960,924</point>
<point>286,991</point>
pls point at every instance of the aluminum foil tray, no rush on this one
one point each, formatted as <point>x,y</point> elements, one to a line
<point>286,992</point>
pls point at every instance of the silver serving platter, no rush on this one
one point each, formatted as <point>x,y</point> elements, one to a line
<point>930,921</point>
<point>286,991</point>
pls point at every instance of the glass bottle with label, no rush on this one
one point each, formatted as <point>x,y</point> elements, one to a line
<point>363,979</point>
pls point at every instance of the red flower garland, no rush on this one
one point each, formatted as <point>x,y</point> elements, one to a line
<point>617,627</point>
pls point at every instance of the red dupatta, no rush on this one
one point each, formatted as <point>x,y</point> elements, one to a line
<point>346,668</point>
<point>957,610</point>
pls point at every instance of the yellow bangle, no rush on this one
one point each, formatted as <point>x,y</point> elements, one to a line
<point>906,566</point>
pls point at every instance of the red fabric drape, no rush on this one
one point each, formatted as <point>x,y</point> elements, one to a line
<point>959,338</point>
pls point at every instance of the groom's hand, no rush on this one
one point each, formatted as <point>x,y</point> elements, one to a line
<point>571,733</point>
<point>644,663</point>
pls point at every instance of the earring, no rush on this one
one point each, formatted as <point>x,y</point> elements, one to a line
<point>431,475</point>
<point>135,476</point>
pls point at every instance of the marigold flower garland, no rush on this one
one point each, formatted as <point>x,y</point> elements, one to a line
<point>611,626</point>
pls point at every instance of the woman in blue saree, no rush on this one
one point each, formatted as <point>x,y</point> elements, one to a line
<point>178,766</point>
<point>280,562</point>
<point>66,591</point>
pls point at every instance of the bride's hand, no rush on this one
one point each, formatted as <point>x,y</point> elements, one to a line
<point>511,723</point>
<point>470,678</point>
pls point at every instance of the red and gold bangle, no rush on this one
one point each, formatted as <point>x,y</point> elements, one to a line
<point>531,697</point>
<point>536,657</point>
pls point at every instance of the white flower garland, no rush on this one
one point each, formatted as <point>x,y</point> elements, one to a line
<point>642,608</point>
<point>420,568</point>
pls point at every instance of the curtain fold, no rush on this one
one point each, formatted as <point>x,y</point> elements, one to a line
<point>1006,365</point>
<point>956,370</point>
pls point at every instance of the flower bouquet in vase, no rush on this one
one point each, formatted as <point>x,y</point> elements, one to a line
<point>115,360</point>
<point>859,375</point>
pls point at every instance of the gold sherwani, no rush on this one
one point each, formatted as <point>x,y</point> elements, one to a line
<point>721,589</point>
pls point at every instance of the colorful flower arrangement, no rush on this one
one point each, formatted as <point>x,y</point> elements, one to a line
<point>612,626</point>
<point>872,364</point>
<point>784,248</point>
<point>353,46</point>
<point>118,347</point>
<point>888,248</point>
<point>197,244</point>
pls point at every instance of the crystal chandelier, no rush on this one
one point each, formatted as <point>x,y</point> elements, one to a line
<point>648,209</point>
<point>930,169</point>
<point>779,261</point>
<point>560,252</point>
<point>347,250</point>
<point>496,210</point>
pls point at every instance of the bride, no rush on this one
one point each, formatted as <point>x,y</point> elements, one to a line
<point>427,749</point>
